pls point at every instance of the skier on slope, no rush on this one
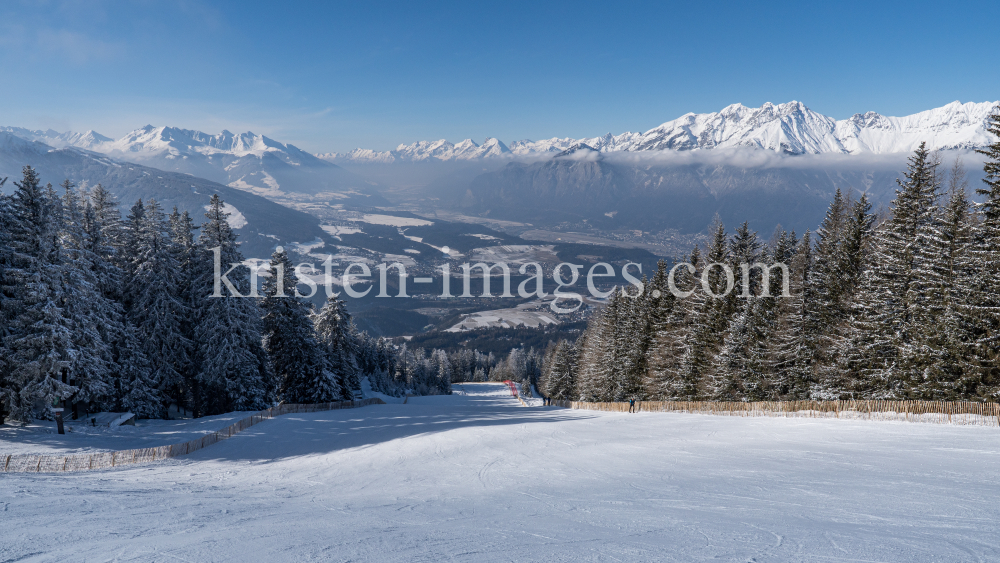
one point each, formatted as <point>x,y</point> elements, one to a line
<point>631,405</point>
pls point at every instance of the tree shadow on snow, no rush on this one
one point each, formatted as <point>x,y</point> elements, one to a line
<point>296,435</point>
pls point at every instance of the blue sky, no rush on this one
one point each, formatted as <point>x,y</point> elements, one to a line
<point>334,76</point>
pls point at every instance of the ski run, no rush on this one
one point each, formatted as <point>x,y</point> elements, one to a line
<point>475,476</point>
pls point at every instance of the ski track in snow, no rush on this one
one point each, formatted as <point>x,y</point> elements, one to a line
<point>476,477</point>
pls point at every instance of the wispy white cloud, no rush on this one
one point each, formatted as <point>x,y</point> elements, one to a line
<point>77,47</point>
<point>54,43</point>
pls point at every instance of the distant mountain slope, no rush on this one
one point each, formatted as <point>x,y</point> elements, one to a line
<point>612,192</point>
<point>790,128</point>
<point>246,161</point>
<point>425,150</point>
<point>267,224</point>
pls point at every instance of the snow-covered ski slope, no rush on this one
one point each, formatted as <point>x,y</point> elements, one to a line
<point>477,477</point>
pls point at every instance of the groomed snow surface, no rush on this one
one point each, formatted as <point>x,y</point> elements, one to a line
<point>477,477</point>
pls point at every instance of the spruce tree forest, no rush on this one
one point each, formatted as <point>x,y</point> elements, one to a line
<point>104,312</point>
<point>903,304</point>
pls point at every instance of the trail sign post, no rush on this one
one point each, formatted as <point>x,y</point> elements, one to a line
<point>59,419</point>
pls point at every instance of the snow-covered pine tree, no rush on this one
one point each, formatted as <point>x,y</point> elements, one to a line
<point>825,282</point>
<point>742,367</point>
<point>111,237</point>
<point>881,357</point>
<point>942,341</point>
<point>131,374</point>
<point>444,370</point>
<point>985,254</point>
<point>155,306</point>
<point>598,379</point>
<point>386,361</point>
<point>675,350</point>
<point>633,335</point>
<point>39,342</point>
<point>233,370</point>
<point>711,319</point>
<point>589,352</point>
<point>185,253</point>
<point>836,335</point>
<point>827,302</point>
<point>560,372</point>
<point>337,334</point>
<point>793,352</point>
<point>135,390</point>
<point>663,306</point>
<point>7,297</point>
<point>295,357</point>
<point>129,249</point>
<point>782,250</point>
<point>94,318</point>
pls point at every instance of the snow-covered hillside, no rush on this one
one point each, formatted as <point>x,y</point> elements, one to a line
<point>476,477</point>
<point>90,140</point>
<point>790,128</point>
<point>246,161</point>
<point>181,143</point>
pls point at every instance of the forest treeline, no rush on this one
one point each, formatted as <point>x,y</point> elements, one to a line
<point>899,305</point>
<point>100,312</point>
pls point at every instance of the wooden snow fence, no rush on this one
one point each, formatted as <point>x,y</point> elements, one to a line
<point>940,412</point>
<point>33,463</point>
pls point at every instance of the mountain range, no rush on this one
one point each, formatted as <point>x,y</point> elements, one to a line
<point>261,223</point>
<point>246,161</point>
<point>675,176</point>
<point>789,128</point>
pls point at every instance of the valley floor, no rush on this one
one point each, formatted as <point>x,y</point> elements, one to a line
<point>477,477</point>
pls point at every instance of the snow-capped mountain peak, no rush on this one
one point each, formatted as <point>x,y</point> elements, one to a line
<point>790,127</point>
<point>181,142</point>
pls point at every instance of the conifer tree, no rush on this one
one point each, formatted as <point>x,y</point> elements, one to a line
<point>830,291</point>
<point>445,372</point>
<point>336,333</point>
<point>296,358</point>
<point>942,332</point>
<point>885,328</point>
<point>39,342</point>
<point>7,299</point>
<point>560,372</point>
<point>600,354</point>
<point>110,239</point>
<point>741,369</point>
<point>712,317</point>
<point>794,350</point>
<point>632,336</point>
<point>134,389</point>
<point>660,356</point>
<point>131,381</point>
<point>233,371</point>
<point>834,319</point>
<point>825,283</point>
<point>94,318</point>
<point>985,254</point>
<point>156,308</point>
<point>674,338</point>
